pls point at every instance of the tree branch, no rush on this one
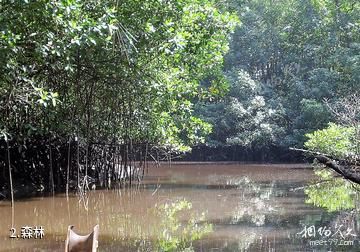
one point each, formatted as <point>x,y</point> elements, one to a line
<point>345,169</point>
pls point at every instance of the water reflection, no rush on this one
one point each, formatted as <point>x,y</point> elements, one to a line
<point>339,197</point>
<point>254,201</point>
<point>332,193</point>
<point>250,208</point>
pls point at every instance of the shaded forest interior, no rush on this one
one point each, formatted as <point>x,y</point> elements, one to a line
<point>271,154</point>
<point>41,166</point>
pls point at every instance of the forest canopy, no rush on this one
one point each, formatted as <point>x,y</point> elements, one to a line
<point>110,70</point>
<point>286,62</point>
<point>153,71</point>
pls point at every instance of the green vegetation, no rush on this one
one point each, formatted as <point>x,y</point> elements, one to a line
<point>337,147</point>
<point>89,84</point>
<point>285,60</point>
<point>108,70</point>
<point>335,140</point>
<point>116,74</point>
<point>91,90</point>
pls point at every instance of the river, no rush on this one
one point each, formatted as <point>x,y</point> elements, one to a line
<point>246,207</point>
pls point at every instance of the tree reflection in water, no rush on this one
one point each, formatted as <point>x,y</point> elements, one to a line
<point>176,235</point>
<point>177,226</point>
<point>248,211</point>
<point>337,196</point>
<point>257,202</point>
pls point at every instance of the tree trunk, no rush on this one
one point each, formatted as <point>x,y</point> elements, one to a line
<point>51,172</point>
<point>346,171</point>
<point>68,169</point>
<point>10,175</point>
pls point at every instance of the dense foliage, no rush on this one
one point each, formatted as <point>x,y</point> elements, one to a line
<point>285,59</point>
<point>339,144</point>
<point>110,70</point>
<point>335,140</point>
<point>82,82</point>
<point>134,72</point>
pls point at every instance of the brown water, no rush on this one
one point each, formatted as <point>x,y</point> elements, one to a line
<point>251,207</point>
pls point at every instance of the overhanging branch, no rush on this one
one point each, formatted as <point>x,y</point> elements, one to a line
<point>342,167</point>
